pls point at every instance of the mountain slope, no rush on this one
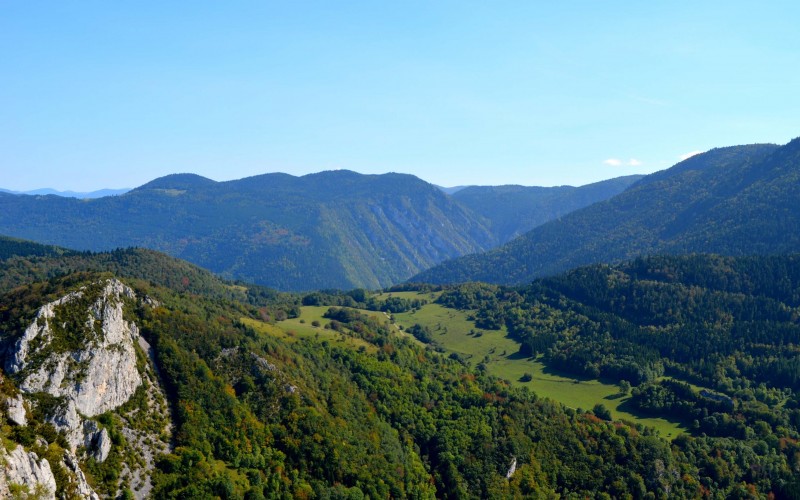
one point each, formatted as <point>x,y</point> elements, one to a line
<point>257,412</point>
<point>212,398</point>
<point>705,340</point>
<point>734,200</point>
<point>331,229</point>
<point>514,210</point>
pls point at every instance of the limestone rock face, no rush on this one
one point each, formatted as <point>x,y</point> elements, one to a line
<point>27,470</point>
<point>81,485</point>
<point>78,359</point>
<point>96,439</point>
<point>15,408</point>
<point>91,375</point>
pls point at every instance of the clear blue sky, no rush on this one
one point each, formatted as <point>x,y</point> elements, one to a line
<point>113,94</point>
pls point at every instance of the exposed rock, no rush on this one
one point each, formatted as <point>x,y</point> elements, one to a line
<point>15,408</point>
<point>512,469</point>
<point>102,445</point>
<point>138,431</point>
<point>40,328</point>
<point>82,486</point>
<point>96,440</point>
<point>263,363</point>
<point>82,351</point>
<point>67,420</point>
<point>26,469</point>
<point>150,301</point>
<point>100,376</point>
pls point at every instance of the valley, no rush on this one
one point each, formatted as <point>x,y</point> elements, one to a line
<point>399,250</point>
<point>496,375</point>
<point>333,229</point>
<point>500,355</point>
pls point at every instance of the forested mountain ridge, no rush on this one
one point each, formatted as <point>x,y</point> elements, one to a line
<point>513,210</point>
<point>28,262</point>
<point>735,200</point>
<point>706,340</point>
<point>336,402</point>
<point>335,229</point>
<point>331,229</point>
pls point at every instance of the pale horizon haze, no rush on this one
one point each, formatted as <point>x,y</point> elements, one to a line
<point>114,94</point>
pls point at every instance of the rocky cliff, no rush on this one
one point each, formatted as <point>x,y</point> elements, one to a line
<point>81,367</point>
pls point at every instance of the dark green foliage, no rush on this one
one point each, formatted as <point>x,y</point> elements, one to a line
<point>514,210</point>
<point>421,333</point>
<point>601,412</point>
<point>10,247</point>
<point>62,272</point>
<point>739,200</point>
<point>257,416</point>
<point>729,324</point>
<point>334,229</point>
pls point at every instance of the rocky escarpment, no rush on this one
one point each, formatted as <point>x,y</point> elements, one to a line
<point>94,376</point>
<point>82,367</point>
<point>25,472</point>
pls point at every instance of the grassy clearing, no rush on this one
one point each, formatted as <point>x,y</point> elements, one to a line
<point>453,331</point>
<point>301,328</point>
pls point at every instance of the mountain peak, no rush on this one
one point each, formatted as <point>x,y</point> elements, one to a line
<point>178,181</point>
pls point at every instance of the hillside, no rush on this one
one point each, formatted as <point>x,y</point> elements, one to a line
<point>27,262</point>
<point>737,200</point>
<point>335,229</point>
<point>514,210</point>
<point>705,341</point>
<point>328,230</point>
<point>209,399</point>
<point>315,396</point>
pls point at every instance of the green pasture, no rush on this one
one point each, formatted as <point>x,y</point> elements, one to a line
<point>294,329</point>
<point>452,330</point>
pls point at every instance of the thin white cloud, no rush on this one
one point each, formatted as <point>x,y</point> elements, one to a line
<point>616,162</point>
<point>648,100</point>
<point>689,155</point>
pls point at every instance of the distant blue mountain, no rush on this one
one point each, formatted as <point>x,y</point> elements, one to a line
<point>100,193</point>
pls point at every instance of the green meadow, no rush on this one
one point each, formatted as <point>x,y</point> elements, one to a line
<point>452,330</point>
<point>302,328</point>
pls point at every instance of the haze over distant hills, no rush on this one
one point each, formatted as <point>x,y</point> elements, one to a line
<point>335,229</point>
<point>735,200</point>
<point>514,209</point>
<point>100,193</point>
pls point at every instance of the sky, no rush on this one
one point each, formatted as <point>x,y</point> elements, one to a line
<point>99,94</point>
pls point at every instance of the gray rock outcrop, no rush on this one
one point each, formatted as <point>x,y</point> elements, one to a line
<point>97,440</point>
<point>99,375</point>
<point>26,470</point>
<point>81,485</point>
<point>15,409</point>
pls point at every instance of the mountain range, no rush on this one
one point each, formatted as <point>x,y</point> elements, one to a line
<point>735,201</point>
<point>100,193</point>
<point>335,229</point>
<point>514,209</point>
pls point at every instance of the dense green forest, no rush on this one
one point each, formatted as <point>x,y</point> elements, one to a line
<point>336,229</point>
<point>659,325</point>
<point>330,229</point>
<point>737,200</point>
<point>514,210</point>
<point>263,411</point>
